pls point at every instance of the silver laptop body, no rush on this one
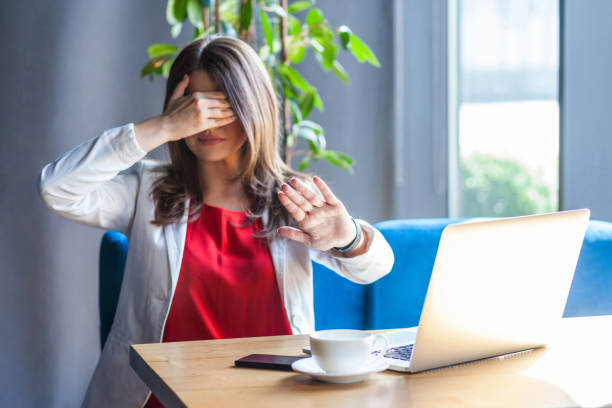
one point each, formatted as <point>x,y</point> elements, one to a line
<point>497,286</point>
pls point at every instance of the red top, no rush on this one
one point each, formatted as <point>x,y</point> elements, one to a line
<point>227,287</point>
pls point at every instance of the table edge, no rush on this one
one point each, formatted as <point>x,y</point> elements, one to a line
<point>153,381</point>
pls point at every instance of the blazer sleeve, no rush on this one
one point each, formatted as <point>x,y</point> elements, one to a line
<point>375,263</point>
<point>85,184</point>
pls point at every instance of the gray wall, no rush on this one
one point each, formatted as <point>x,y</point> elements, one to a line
<point>586,111</point>
<point>70,71</point>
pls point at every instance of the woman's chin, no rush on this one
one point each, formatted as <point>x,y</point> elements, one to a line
<point>211,156</point>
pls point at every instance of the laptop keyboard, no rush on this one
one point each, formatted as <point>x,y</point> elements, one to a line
<point>401,352</point>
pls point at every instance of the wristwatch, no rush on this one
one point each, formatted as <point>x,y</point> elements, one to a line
<point>354,242</point>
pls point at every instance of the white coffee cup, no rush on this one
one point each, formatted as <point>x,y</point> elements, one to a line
<point>344,350</point>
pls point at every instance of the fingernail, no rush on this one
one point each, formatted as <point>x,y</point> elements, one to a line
<point>184,77</point>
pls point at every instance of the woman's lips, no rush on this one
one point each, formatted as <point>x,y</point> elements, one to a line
<point>210,140</point>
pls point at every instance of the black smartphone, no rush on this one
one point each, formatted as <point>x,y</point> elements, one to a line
<point>268,361</point>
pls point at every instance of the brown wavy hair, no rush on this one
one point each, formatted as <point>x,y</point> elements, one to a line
<point>239,74</point>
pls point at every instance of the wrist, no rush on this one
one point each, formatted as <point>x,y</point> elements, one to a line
<point>151,133</point>
<point>354,243</point>
<point>361,247</point>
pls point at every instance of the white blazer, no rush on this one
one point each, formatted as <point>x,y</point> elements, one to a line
<point>106,182</point>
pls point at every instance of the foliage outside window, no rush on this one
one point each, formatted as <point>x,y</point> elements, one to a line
<point>494,187</point>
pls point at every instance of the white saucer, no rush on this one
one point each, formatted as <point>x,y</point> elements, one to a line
<point>309,367</point>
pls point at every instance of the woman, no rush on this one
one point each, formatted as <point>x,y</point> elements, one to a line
<point>222,237</point>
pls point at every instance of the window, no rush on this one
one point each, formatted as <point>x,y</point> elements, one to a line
<point>506,108</point>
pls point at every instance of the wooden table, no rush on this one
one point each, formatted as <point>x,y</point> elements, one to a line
<point>575,370</point>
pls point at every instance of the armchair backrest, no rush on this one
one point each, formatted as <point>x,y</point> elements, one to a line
<point>395,300</point>
<point>113,253</point>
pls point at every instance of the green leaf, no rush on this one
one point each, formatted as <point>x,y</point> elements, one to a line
<point>318,102</point>
<point>316,45</point>
<point>340,71</point>
<point>322,31</point>
<point>314,16</point>
<point>153,65</point>
<point>296,80</point>
<point>206,3</point>
<point>295,26</point>
<point>304,163</point>
<point>312,125</point>
<point>306,101</point>
<point>345,36</point>
<point>194,12</point>
<point>298,6</point>
<point>265,25</point>
<point>170,13</point>
<point>314,149</point>
<point>297,54</point>
<point>332,157</point>
<point>362,52</point>
<point>175,31</point>
<point>157,50</point>
<point>295,111</point>
<point>346,158</point>
<point>326,50</point>
<point>166,68</point>
<point>313,132</point>
<point>176,11</point>
<point>308,134</point>
<point>329,53</point>
<point>289,88</point>
<point>246,15</point>
<point>295,77</point>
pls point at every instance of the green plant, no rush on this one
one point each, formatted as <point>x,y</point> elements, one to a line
<point>501,188</point>
<point>274,29</point>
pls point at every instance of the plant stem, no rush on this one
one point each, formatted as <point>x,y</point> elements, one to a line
<point>251,36</point>
<point>242,33</point>
<point>217,16</point>
<point>205,13</point>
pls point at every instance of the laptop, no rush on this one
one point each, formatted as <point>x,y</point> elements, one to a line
<point>498,286</point>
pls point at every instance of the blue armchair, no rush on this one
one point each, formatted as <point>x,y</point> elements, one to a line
<point>395,300</point>
<point>113,253</point>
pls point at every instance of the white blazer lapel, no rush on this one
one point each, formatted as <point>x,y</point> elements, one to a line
<point>175,243</point>
<point>277,247</point>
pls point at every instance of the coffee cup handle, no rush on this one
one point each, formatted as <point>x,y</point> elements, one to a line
<point>383,351</point>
